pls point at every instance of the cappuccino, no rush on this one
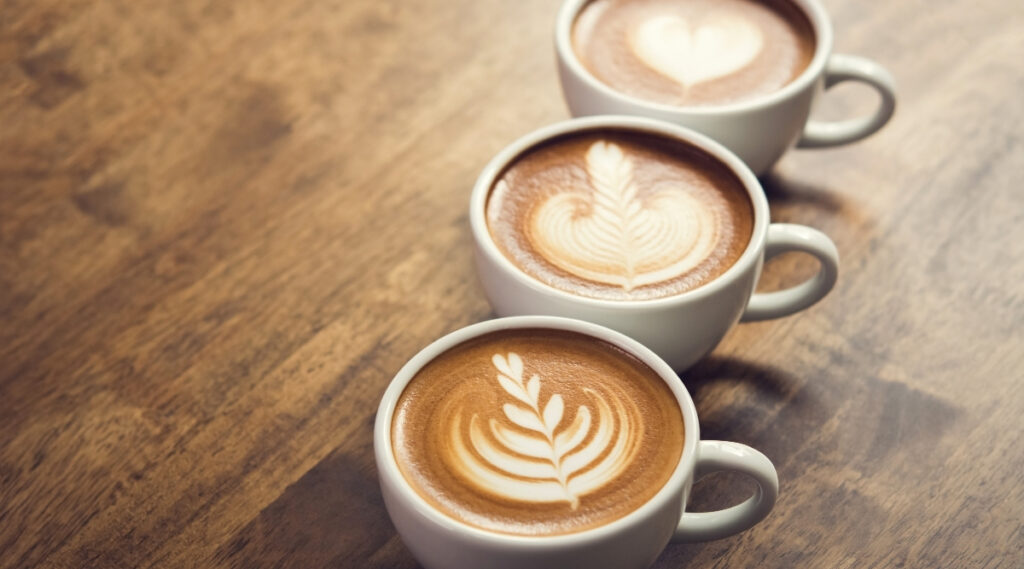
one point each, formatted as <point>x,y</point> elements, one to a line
<point>693,52</point>
<point>619,215</point>
<point>536,432</point>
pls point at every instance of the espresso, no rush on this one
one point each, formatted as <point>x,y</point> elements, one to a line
<point>537,432</point>
<point>694,52</point>
<point>619,215</point>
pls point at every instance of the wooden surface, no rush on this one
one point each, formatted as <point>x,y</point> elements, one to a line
<point>225,225</point>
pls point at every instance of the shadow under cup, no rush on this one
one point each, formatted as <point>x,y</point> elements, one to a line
<point>682,326</point>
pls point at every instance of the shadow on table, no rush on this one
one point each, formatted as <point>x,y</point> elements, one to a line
<point>766,381</point>
<point>786,191</point>
<point>758,405</point>
<point>745,402</point>
<point>333,516</point>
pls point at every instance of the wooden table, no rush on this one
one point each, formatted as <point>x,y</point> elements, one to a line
<point>225,225</point>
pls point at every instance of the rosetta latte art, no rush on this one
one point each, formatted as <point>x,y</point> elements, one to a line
<point>614,236</point>
<point>534,453</point>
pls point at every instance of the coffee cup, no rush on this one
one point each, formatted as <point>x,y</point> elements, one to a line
<point>642,226</point>
<point>744,73</point>
<point>547,442</point>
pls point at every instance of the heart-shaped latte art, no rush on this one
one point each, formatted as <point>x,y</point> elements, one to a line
<point>614,237</point>
<point>721,44</point>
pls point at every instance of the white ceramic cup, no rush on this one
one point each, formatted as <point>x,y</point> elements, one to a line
<point>759,130</point>
<point>632,541</point>
<point>680,328</point>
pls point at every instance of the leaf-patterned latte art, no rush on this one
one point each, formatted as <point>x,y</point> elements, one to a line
<point>535,453</point>
<point>615,236</point>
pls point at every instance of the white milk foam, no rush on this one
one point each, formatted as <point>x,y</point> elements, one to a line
<point>534,453</point>
<point>693,52</point>
<point>622,240</point>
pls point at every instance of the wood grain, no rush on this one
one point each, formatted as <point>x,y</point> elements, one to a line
<point>225,225</point>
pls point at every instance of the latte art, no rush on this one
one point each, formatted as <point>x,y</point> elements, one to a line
<point>610,235</point>
<point>535,454</point>
<point>721,45</point>
<point>693,52</point>
<point>619,216</point>
<point>536,432</point>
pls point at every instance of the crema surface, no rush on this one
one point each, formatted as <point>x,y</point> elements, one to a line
<point>619,215</point>
<point>537,432</point>
<point>694,52</point>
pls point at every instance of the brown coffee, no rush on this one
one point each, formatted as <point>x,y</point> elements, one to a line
<point>620,215</point>
<point>537,432</point>
<point>694,52</point>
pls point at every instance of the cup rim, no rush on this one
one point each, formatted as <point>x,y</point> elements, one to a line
<point>751,253</point>
<point>823,40</point>
<point>387,464</point>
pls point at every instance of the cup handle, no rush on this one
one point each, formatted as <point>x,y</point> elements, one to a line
<point>721,456</point>
<point>783,238</point>
<point>818,134</point>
